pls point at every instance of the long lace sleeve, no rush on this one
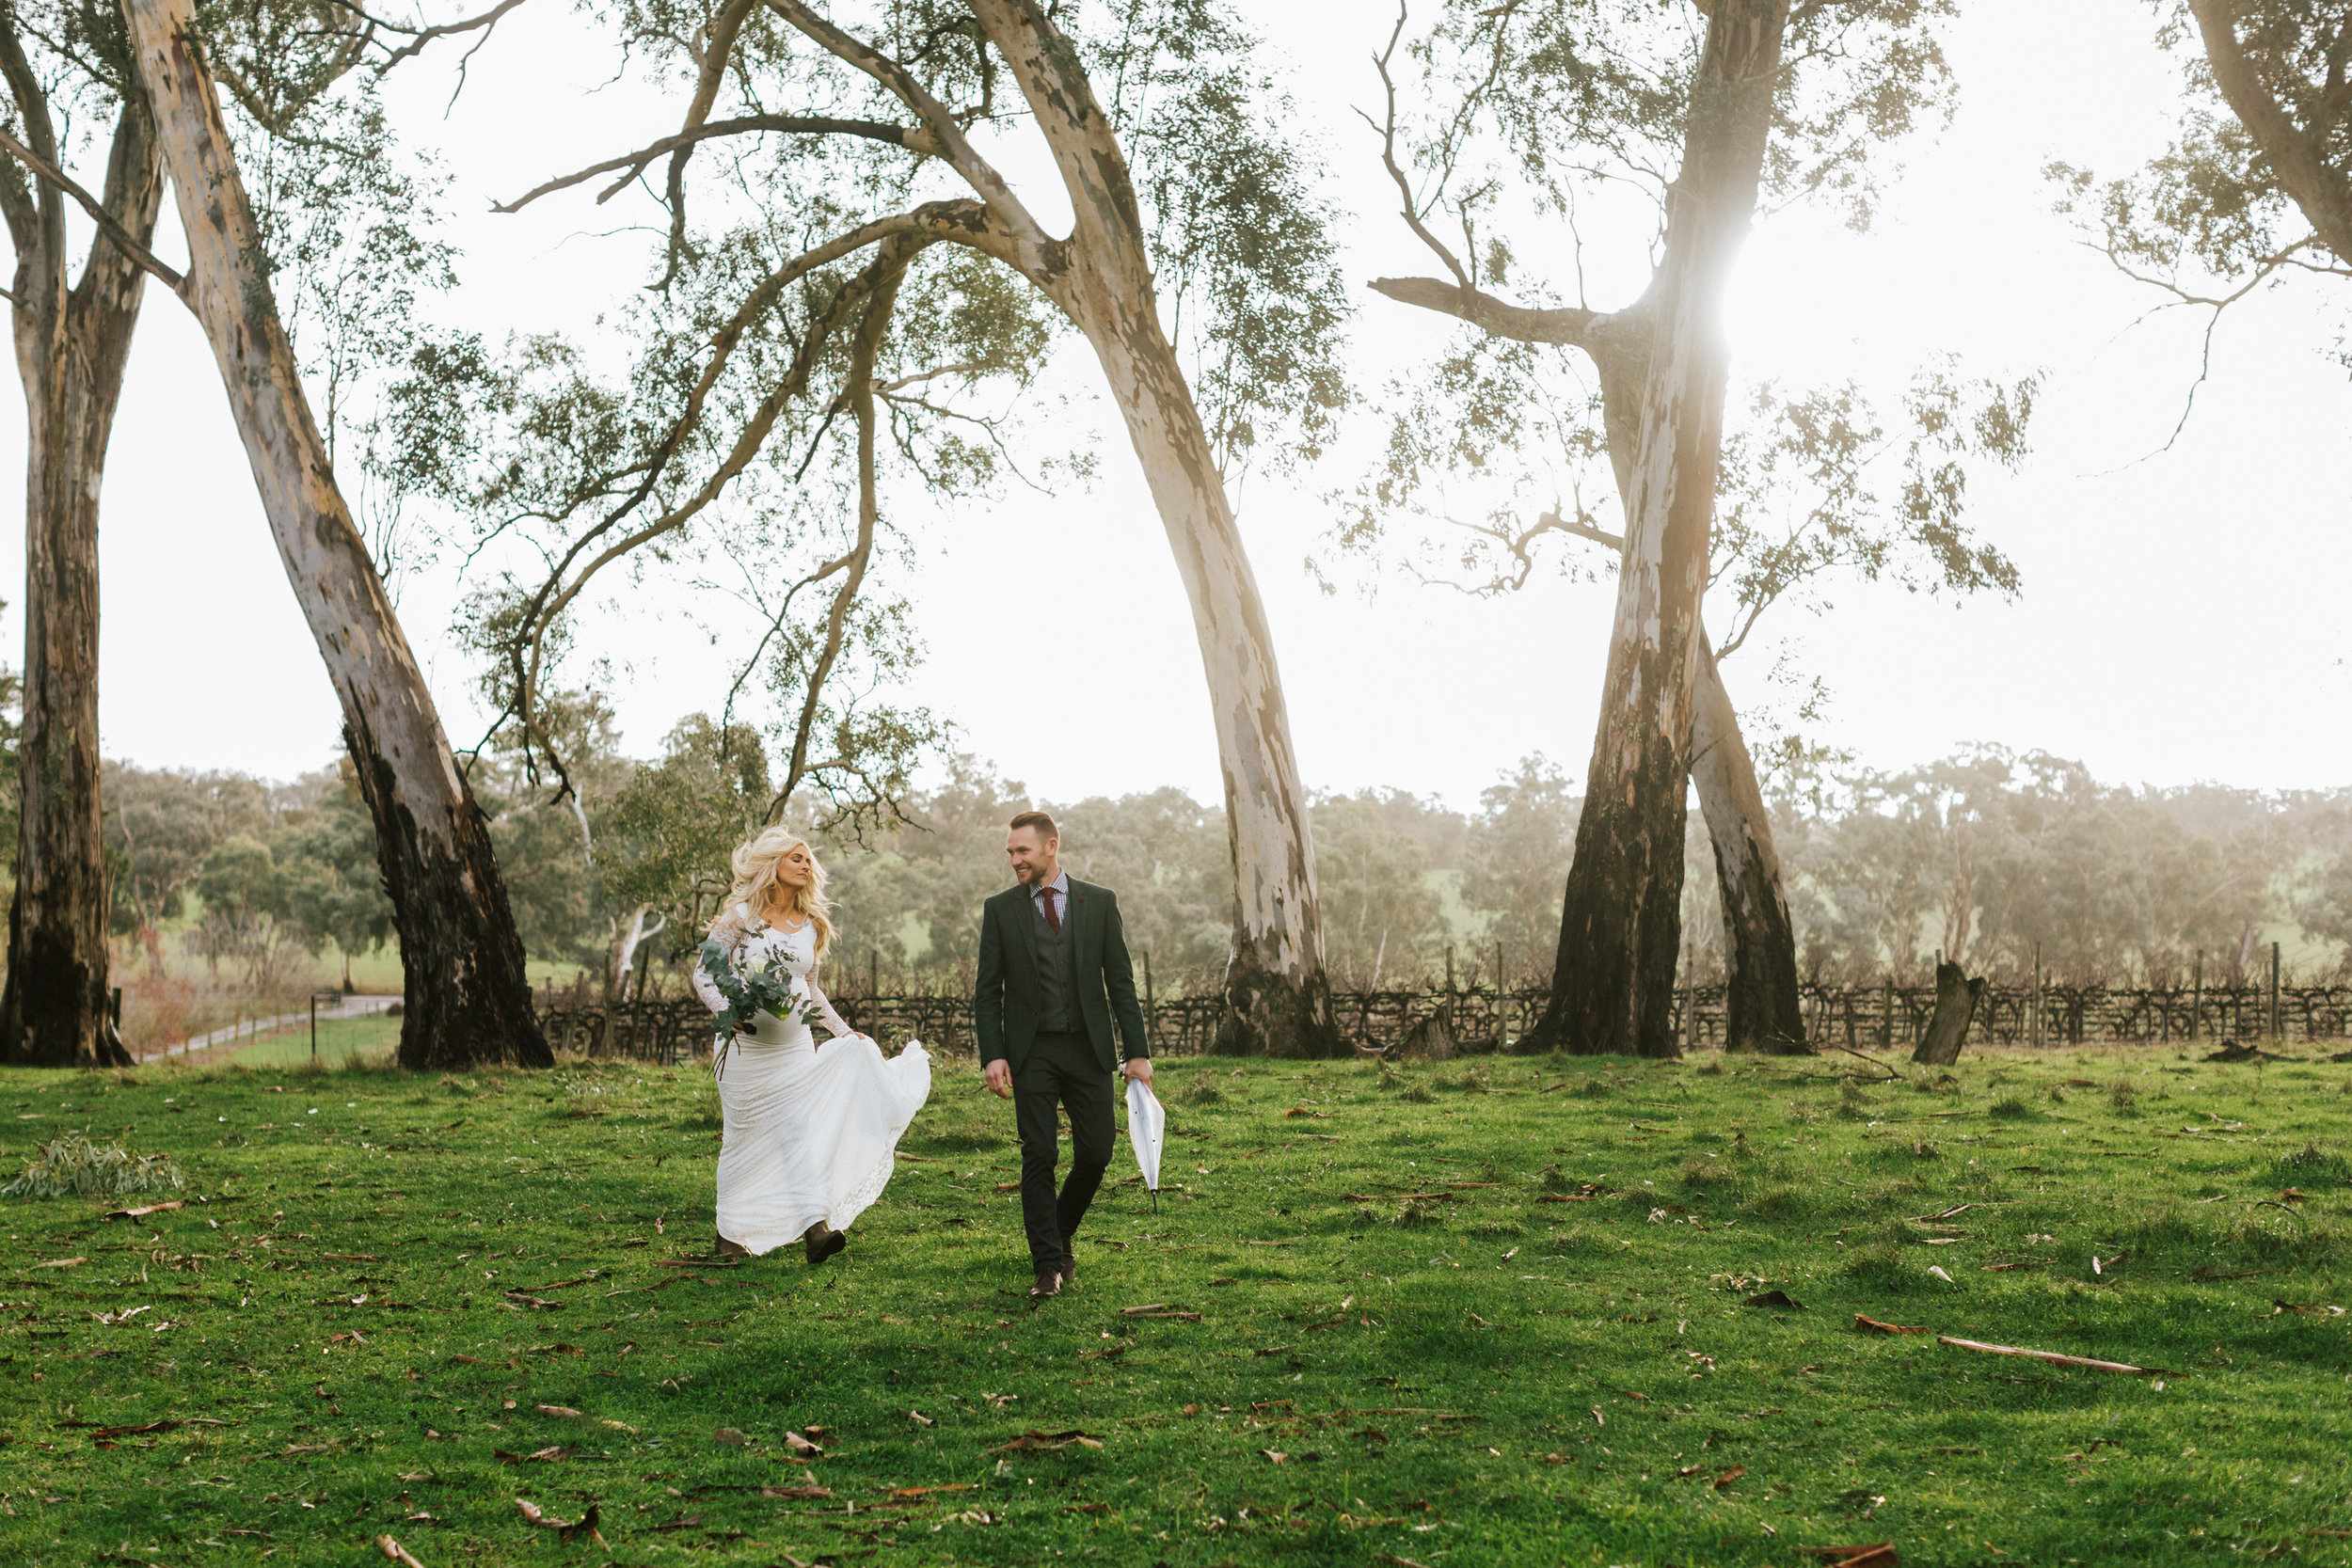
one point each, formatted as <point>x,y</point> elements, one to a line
<point>731,929</point>
<point>824,1009</point>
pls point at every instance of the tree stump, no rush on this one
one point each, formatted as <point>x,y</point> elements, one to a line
<point>1956,999</point>
<point>1429,1040</point>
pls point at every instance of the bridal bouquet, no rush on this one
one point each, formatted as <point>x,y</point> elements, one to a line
<point>768,988</point>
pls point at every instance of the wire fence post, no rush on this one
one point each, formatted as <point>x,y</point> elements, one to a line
<point>2274,993</point>
<point>2197,996</point>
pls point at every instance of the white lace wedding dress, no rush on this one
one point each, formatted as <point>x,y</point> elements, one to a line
<point>811,1130</point>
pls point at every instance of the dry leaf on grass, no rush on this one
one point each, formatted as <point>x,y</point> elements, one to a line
<point>143,1209</point>
<point>585,1524</point>
<point>397,1552</point>
<point>1774,1298</point>
<point>1874,1326</point>
<point>918,1418</point>
<point>1273,1456</point>
<point>801,1443</point>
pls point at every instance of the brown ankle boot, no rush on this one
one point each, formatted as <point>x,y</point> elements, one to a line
<point>822,1241</point>
<point>722,1247</point>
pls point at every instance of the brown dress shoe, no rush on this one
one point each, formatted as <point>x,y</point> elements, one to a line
<point>1069,1267</point>
<point>1048,1285</point>
<point>823,1241</point>
<point>722,1247</point>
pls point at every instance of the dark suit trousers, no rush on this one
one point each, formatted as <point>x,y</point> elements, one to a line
<point>1060,1070</point>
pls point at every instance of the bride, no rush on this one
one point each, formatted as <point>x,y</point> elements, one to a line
<point>811,1130</point>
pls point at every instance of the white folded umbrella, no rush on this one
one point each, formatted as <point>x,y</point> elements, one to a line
<point>1146,1128</point>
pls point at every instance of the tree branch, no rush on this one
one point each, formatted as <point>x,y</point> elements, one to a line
<point>914,139</point>
<point>1571,327</point>
<point>416,45</point>
<point>1404,186</point>
<point>2324,194</point>
<point>96,208</point>
<point>954,146</point>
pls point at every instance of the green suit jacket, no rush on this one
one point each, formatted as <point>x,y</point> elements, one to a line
<point>1004,1003</point>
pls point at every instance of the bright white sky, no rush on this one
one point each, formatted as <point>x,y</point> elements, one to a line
<point>2183,610</point>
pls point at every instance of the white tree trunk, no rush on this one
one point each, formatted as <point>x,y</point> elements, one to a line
<point>1277,994</point>
<point>466,999</point>
<point>1275,978</point>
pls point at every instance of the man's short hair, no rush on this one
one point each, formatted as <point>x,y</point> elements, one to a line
<point>1041,821</point>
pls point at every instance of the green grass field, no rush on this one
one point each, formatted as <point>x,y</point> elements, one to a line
<point>405,1305</point>
<point>342,1042</point>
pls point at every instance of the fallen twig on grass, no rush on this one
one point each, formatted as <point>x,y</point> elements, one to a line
<point>1892,1075</point>
<point>1874,1326</point>
<point>1046,1442</point>
<point>2053,1358</point>
<point>143,1209</point>
<point>1881,1554</point>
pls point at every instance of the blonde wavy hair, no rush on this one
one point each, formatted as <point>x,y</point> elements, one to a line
<point>754,867</point>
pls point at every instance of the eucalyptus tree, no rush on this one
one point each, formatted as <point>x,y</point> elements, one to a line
<point>2257,188</point>
<point>1542,112</point>
<point>1185,203</point>
<point>466,1000</point>
<point>66,72</point>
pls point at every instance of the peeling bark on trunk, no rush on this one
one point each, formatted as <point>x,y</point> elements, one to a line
<point>465,999</point>
<point>1620,929</point>
<point>1278,999</point>
<point>1764,1011</point>
<point>1759,938</point>
<point>1956,999</point>
<point>71,352</point>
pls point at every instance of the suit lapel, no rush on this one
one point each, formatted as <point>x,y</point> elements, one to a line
<point>1025,918</point>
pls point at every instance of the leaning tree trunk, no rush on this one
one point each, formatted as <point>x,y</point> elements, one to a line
<point>1620,929</point>
<point>466,1000</point>
<point>1763,1009</point>
<point>1278,996</point>
<point>71,351</point>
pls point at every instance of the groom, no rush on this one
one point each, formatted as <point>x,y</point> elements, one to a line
<point>1054,973</point>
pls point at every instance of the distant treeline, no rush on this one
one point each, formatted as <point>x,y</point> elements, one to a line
<point>1982,856</point>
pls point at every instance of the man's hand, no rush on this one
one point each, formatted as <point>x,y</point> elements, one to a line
<point>1000,1078</point>
<point>1139,1069</point>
